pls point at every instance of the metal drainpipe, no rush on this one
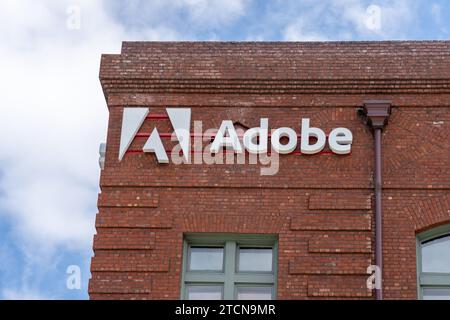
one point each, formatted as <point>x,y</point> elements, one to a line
<point>378,216</point>
<point>377,113</point>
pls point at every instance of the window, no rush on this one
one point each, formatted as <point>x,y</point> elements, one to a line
<point>433,264</point>
<point>220,266</point>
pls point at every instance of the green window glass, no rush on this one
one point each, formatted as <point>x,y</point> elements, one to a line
<point>433,264</point>
<point>229,266</point>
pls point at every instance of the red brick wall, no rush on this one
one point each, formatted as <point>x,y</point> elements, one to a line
<point>321,206</point>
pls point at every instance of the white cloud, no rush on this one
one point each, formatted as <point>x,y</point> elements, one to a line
<point>29,272</point>
<point>296,32</point>
<point>22,294</point>
<point>347,19</point>
<point>302,22</point>
<point>214,12</point>
<point>436,13</point>
<point>395,15</point>
<point>190,16</point>
<point>53,116</point>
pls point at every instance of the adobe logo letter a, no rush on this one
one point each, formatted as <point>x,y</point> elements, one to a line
<point>132,120</point>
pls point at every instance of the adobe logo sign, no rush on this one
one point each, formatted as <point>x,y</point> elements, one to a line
<point>256,141</point>
<point>132,120</point>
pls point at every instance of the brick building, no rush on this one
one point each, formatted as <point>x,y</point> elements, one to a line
<point>309,231</point>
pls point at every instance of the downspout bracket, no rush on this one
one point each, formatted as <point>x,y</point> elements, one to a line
<point>377,113</point>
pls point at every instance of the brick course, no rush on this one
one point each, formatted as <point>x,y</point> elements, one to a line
<point>320,206</point>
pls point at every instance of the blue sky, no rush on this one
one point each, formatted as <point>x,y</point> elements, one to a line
<point>53,115</point>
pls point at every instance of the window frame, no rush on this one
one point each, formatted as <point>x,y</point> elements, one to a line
<point>430,279</point>
<point>230,278</point>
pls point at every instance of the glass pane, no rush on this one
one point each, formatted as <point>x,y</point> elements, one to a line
<point>436,293</point>
<point>254,293</point>
<point>206,258</point>
<point>436,255</point>
<point>198,292</point>
<point>255,259</point>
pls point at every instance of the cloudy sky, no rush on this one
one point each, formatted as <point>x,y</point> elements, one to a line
<point>53,114</point>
